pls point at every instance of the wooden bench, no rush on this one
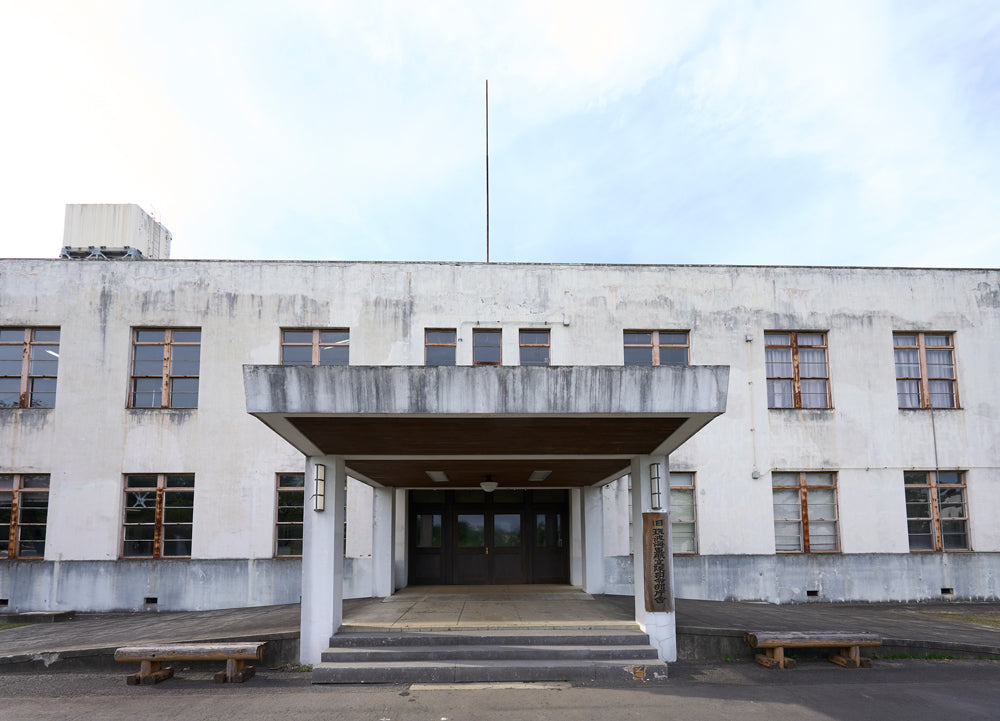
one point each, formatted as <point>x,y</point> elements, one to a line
<point>151,659</point>
<point>774,644</point>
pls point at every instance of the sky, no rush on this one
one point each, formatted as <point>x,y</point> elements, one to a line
<point>734,132</point>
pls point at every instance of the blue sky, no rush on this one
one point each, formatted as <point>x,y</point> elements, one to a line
<point>805,133</point>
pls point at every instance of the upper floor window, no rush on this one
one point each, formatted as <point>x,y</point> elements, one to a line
<point>486,346</point>
<point>925,370</point>
<point>165,367</point>
<point>682,519</point>
<point>317,347</point>
<point>159,511</point>
<point>24,509</point>
<point>797,373</point>
<point>534,347</point>
<point>439,346</point>
<point>937,518</point>
<point>656,347</point>
<point>29,359</point>
<point>288,518</point>
<point>805,512</point>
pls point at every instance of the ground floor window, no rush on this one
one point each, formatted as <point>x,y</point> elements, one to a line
<point>288,515</point>
<point>159,511</point>
<point>805,512</point>
<point>936,513</point>
<point>24,508</point>
<point>682,518</point>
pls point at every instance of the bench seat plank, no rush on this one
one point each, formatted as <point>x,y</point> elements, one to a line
<point>810,639</point>
<point>191,652</point>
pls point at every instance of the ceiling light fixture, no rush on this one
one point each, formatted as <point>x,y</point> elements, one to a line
<point>437,476</point>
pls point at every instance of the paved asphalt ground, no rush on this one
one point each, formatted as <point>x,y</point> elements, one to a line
<point>894,689</point>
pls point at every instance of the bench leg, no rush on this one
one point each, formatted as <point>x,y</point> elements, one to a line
<point>150,672</point>
<point>850,657</point>
<point>775,658</point>
<point>236,672</point>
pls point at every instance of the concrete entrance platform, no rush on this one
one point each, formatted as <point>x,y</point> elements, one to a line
<point>483,608</point>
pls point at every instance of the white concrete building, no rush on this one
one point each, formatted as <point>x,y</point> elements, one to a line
<point>822,433</point>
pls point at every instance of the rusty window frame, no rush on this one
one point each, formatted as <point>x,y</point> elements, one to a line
<point>794,342</point>
<point>483,334</point>
<point>175,343</point>
<point>156,491</point>
<point>429,344</point>
<point>802,482</point>
<point>320,339</point>
<point>927,373</point>
<point>35,368</point>
<point>533,336</point>
<point>19,532</point>
<point>289,487</point>
<point>939,510</point>
<point>683,482</point>
<point>657,342</point>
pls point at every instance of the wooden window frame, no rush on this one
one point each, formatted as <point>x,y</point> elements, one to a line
<point>483,332</point>
<point>315,344</point>
<point>694,510</point>
<point>453,345</point>
<point>803,487</point>
<point>923,381</point>
<point>933,486</point>
<point>547,345</point>
<point>278,523</point>
<point>166,376</point>
<point>159,490</point>
<point>797,377</point>
<point>656,343</point>
<point>17,490</point>
<point>28,343</point>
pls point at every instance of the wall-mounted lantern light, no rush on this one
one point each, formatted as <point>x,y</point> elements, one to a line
<point>319,489</point>
<point>654,487</point>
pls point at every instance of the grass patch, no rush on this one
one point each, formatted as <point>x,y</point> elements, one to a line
<point>5,626</point>
<point>983,619</point>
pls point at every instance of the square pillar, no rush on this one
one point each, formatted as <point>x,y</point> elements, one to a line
<point>402,534</point>
<point>575,537</point>
<point>660,626</point>
<point>322,559</point>
<point>592,533</point>
<point>383,540</point>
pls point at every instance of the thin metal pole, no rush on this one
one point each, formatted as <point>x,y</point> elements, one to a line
<point>487,171</point>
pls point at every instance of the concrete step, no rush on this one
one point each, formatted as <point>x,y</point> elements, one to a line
<point>518,637</point>
<point>487,652</point>
<point>490,671</point>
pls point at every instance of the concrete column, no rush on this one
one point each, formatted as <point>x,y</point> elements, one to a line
<point>575,537</point>
<point>401,555</point>
<point>593,539</point>
<point>660,627</point>
<point>322,560</point>
<point>383,542</point>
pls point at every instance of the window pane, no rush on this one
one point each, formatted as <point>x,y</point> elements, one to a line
<point>176,541</point>
<point>813,393</point>
<point>334,355</point>
<point>810,339</point>
<point>440,355</point>
<point>939,364</point>
<point>43,392</point>
<point>534,337</point>
<point>822,536</point>
<point>822,505</point>
<point>776,338</point>
<point>812,362</point>
<point>673,338</point>
<point>507,530</point>
<point>441,336</point>
<point>470,530</point>
<point>146,392</point>
<point>46,335</point>
<point>180,480</point>
<point>184,360</point>
<point>184,393</point>
<point>779,394</point>
<point>937,340</point>
<point>819,479</point>
<point>907,363</point>
<point>786,504</point>
<point>534,355</point>
<point>942,394</point>
<point>779,362</point>
<point>904,340</point>
<point>787,536</point>
<point>639,339</point>
<point>673,356</point>
<point>291,480</point>
<point>639,356</point>
<point>427,530</point>
<point>682,537</point>
<point>681,479</point>
<point>150,336</point>
<point>187,336</point>
<point>296,355</point>
<point>297,336</point>
<point>908,394</point>
<point>918,478</point>
<point>335,337</point>
<point>486,338</point>
<point>682,504</point>
<point>949,478</point>
<point>548,530</point>
<point>141,481</point>
<point>785,479</point>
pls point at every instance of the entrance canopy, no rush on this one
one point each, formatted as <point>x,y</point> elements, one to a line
<point>416,426</point>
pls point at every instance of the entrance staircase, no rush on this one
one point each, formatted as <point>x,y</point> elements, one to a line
<point>489,656</point>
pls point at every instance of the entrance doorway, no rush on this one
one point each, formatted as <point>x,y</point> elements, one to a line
<point>470,537</point>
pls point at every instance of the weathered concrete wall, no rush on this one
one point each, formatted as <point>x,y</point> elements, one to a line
<point>90,439</point>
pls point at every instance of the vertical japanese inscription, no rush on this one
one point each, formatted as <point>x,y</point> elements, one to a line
<point>655,527</point>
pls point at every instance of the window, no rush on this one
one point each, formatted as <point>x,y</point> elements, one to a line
<point>656,348</point>
<point>159,508</point>
<point>24,509</point>
<point>797,374</point>
<point>925,370</point>
<point>29,358</point>
<point>288,523</point>
<point>534,347</point>
<point>682,513</point>
<point>316,347</point>
<point>165,366</point>
<point>439,346</point>
<point>936,516</point>
<point>805,512</point>
<point>486,347</point>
